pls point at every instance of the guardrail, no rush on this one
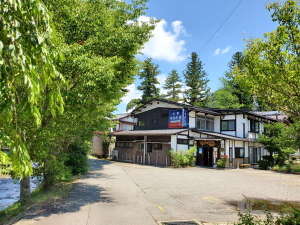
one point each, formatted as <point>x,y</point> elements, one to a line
<point>5,169</point>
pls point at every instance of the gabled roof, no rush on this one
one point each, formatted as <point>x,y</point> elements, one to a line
<point>183,105</point>
<point>212,111</point>
<point>120,116</point>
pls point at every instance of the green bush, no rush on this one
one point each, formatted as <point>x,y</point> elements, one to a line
<point>266,163</point>
<point>221,163</point>
<point>292,218</point>
<point>287,168</point>
<point>295,168</point>
<point>183,158</point>
<point>76,159</point>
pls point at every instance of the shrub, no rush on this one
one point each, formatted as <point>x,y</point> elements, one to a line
<point>295,168</point>
<point>76,159</point>
<point>287,168</point>
<point>266,163</point>
<point>183,158</point>
<point>263,164</point>
<point>292,218</point>
<point>221,163</point>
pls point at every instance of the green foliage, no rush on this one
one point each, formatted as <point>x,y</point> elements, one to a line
<point>76,159</point>
<point>148,86</point>
<point>224,99</point>
<point>29,80</point>
<point>271,64</point>
<point>292,218</point>
<point>98,41</point>
<point>183,158</point>
<point>221,163</point>
<point>173,86</point>
<point>266,163</point>
<point>279,140</point>
<point>290,167</point>
<point>237,88</point>
<point>196,82</point>
<point>133,104</point>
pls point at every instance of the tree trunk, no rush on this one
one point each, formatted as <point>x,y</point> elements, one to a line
<point>25,190</point>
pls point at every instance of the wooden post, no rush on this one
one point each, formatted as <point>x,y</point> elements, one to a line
<point>145,149</point>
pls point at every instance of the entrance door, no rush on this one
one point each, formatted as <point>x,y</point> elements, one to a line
<point>205,156</point>
<point>208,156</point>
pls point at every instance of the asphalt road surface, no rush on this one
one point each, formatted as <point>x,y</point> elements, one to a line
<point>116,193</point>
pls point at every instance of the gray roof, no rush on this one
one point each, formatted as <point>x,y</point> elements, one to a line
<point>120,116</point>
<point>148,132</point>
<point>223,136</point>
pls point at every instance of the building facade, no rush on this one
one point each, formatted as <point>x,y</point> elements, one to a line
<point>122,122</point>
<point>161,126</point>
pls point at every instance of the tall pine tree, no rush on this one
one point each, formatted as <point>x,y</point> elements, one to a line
<point>148,75</point>
<point>173,86</point>
<point>196,82</point>
<point>244,97</point>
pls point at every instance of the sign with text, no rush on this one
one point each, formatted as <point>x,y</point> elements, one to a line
<point>178,118</point>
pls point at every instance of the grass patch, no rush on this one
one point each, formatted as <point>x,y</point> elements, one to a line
<point>293,168</point>
<point>39,197</point>
<point>279,206</point>
<point>274,205</point>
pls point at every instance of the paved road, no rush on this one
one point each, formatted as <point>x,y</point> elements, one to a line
<point>128,194</point>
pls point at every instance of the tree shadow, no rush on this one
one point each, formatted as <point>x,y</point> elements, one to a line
<point>97,164</point>
<point>82,193</point>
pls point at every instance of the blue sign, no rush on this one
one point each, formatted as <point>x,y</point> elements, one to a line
<point>178,118</point>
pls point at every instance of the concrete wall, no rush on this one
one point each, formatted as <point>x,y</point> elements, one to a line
<point>97,145</point>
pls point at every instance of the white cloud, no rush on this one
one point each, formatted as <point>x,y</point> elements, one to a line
<point>132,93</point>
<point>164,44</point>
<point>162,79</point>
<point>220,51</point>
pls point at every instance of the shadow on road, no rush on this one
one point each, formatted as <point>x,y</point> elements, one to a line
<point>83,193</point>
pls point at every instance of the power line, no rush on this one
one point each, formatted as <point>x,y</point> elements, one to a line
<point>222,24</point>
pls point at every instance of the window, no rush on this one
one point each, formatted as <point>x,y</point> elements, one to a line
<point>141,147</point>
<point>204,123</point>
<point>157,146</point>
<point>155,121</point>
<point>141,123</point>
<point>181,141</point>
<point>124,144</point>
<point>228,125</point>
<point>254,126</point>
<point>239,152</point>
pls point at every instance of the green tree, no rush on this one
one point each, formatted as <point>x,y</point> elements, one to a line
<point>133,103</point>
<point>98,45</point>
<point>223,99</point>
<point>271,65</point>
<point>173,86</point>
<point>279,141</point>
<point>243,94</point>
<point>29,81</point>
<point>148,76</point>
<point>196,82</point>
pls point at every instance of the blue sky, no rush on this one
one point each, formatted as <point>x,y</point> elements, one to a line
<point>215,29</point>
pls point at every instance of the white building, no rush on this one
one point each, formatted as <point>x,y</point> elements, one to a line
<point>163,125</point>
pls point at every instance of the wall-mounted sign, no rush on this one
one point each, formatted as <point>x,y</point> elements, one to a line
<point>178,118</point>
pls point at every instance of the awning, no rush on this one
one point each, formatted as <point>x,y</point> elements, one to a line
<point>222,136</point>
<point>148,132</point>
